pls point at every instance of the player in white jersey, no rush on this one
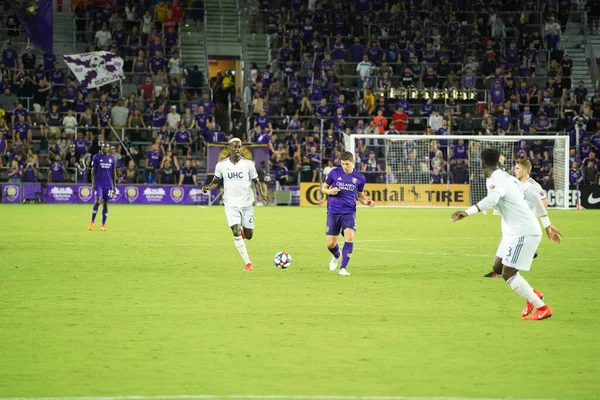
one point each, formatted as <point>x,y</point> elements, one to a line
<point>531,189</point>
<point>521,233</point>
<point>237,174</point>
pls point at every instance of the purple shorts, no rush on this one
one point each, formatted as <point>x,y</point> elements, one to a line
<point>336,223</point>
<point>103,193</point>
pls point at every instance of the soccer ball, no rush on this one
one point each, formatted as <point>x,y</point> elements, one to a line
<point>96,62</point>
<point>282,260</point>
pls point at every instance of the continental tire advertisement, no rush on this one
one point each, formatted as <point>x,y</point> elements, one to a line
<point>397,195</point>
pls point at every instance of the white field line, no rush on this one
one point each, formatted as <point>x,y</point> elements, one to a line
<point>254,396</point>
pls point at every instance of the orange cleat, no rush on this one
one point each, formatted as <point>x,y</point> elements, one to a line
<point>249,267</point>
<point>91,226</point>
<point>540,314</point>
<point>103,228</point>
<point>528,306</point>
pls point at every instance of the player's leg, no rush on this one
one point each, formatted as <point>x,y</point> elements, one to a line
<point>348,227</point>
<point>94,211</point>
<point>104,208</point>
<point>518,258</point>
<point>234,220</point>
<point>333,229</point>
<point>497,264</point>
<point>247,222</point>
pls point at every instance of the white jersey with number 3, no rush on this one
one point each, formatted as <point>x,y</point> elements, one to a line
<point>532,189</point>
<point>237,181</point>
<point>517,218</point>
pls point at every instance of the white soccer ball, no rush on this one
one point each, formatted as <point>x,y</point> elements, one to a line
<point>282,260</point>
<point>96,61</point>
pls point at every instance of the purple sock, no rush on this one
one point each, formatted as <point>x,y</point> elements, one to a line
<point>104,213</point>
<point>335,250</point>
<point>346,254</point>
<point>94,212</point>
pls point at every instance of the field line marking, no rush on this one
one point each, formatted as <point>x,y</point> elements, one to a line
<point>250,396</point>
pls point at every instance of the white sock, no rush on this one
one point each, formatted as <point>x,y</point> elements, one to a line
<point>241,246</point>
<point>523,289</point>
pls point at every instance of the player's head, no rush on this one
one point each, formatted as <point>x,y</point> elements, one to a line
<point>235,148</point>
<point>522,169</point>
<point>105,148</point>
<point>490,159</point>
<point>347,161</point>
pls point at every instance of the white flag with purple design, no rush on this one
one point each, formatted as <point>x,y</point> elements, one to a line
<point>95,69</point>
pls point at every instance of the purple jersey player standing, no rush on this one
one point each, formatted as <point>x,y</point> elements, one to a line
<point>104,182</point>
<point>345,186</point>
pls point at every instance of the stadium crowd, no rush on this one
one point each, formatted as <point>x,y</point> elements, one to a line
<point>337,68</point>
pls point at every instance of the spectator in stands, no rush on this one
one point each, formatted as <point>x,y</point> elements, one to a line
<point>281,173</point>
<point>8,102</point>
<point>188,174</point>
<point>590,173</point>
<point>153,160</point>
<point>364,69</point>
<point>183,140</point>
<point>30,170</point>
<point>400,120</point>
<point>69,124</point>
<point>57,170</point>
<point>103,37</point>
<point>173,119</point>
<point>14,172</point>
<point>380,122</point>
<point>435,121</point>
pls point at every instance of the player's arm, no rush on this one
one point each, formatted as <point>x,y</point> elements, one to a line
<point>488,201</point>
<point>540,210</point>
<point>259,189</point>
<point>216,182</point>
<point>364,200</point>
<point>327,189</point>
<point>180,179</point>
<point>114,179</point>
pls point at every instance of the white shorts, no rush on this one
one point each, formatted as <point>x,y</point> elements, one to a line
<point>518,251</point>
<point>243,216</point>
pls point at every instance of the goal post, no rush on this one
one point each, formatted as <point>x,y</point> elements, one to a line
<point>445,171</point>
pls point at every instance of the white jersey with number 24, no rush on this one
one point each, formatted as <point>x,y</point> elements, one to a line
<point>237,181</point>
<point>517,218</point>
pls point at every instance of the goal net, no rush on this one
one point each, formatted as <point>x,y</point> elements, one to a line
<point>445,171</point>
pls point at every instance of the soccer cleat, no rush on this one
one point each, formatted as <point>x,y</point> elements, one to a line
<point>249,267</point>
<point>535,255</point>
<point>91,226</point>
<point>540,314</point>
<point>343,272</point>
<point>492,275</point>
<point>333,264</point>
<point>528,306</point>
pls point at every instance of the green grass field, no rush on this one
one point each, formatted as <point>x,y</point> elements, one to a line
<point>159,305</point>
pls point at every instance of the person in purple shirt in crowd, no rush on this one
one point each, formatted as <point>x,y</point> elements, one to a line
<point>591,158</point>
<point>263,121</point>
<point>314,157</point>
<point>344,186</point>
<point>542,122</point>
<point>21,131</point>
<point>329,146</point>
<point>104,183</point>
<point>316,94</point>
<point>120,35</point>
<point>575,174</point>
<point>497,94</point>
<point>153,160</point>
<point>285,52</point>
<point>188,174</point>
<point>57,75</point>
<point>207,104</point>
<point>157,63</point>
<point>49,60</point>
<point>267,77</point>
<point>323,110</point>
<point>357,50</point>
<point>337,49</point>
<point>281,173</point>
<point>460,150</point>
<point>505,121</point>
<point>159,118</point>
<point>436,178</point>
<point>21,111</point>
<point>57,171</point>
<point>525,120</point>
<point>293,146</point>
<point>468,79</point>
<point>295,124</point>
<point>403,102</point>
<point>30,170</point>
<point>79,104</point>
<point>9,56</point>
<point>183,139</point>
<point>595,140</point>
<point>81,145</point>
<point>584,148</point>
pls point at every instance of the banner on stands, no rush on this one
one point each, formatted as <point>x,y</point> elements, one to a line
<point>398,195</point>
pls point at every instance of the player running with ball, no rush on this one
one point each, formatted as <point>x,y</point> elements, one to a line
<point>237,174</point>
<point>345,186</point>
<point>521,233</point>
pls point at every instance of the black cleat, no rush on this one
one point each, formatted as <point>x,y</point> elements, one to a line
<point>491,275</point>
<point>535,255</point>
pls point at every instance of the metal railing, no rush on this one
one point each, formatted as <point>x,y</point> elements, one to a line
<point>590,53</point>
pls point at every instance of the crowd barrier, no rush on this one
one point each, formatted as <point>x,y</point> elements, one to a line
<point>125,194</point>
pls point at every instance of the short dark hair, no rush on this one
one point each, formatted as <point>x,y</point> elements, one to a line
<point>490,157</point>
<point>347,156</point>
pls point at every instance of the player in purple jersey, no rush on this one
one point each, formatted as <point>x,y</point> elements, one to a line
<point>345,186</point>
<point>104,183</point>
